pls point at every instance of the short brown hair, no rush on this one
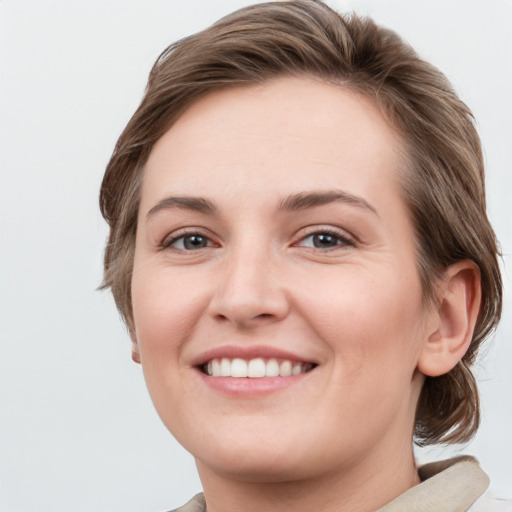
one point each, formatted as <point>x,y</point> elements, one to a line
<point>443,184</point>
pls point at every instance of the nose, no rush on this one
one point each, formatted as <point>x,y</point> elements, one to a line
<point>251,290</point>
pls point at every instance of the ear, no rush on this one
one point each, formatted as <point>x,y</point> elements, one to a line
<point>135,346</point>
<point>454,319</point>
<point>135,352</point>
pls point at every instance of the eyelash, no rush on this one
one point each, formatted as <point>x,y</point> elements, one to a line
<point>182,235</point>
<point>342,239</point>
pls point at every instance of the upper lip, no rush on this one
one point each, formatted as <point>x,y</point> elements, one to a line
<point>248,352</point>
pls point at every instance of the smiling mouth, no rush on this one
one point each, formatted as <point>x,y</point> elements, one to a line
<point>255,368</point>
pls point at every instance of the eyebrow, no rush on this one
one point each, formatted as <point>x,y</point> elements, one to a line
<point>198,204</point>
<point>306,200</point>
<point>292,203</point>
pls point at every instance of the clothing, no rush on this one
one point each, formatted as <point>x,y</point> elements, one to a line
<point>453,485</point>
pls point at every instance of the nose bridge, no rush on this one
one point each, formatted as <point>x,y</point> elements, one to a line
<point>250,290</point>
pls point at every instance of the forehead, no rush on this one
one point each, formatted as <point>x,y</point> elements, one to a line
<point>290,132</point>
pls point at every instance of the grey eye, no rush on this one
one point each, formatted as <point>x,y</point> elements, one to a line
<point>324,240</point>
<point>191,242</point>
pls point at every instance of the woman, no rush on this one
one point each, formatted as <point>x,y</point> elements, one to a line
<point>300,250</point>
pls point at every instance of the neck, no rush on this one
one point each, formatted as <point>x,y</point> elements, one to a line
<point>362,488</point>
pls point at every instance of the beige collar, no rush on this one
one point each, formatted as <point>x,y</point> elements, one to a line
<point>451,485</point>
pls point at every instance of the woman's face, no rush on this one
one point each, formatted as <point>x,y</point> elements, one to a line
<point>272,238</point>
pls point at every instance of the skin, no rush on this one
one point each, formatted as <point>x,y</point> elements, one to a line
<point>339,438</point>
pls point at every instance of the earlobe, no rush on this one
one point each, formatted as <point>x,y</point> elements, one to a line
<point>456,315</point>
<point>135,349</point>
<point>135,356</point>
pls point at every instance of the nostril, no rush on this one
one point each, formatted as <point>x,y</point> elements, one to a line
<point>221,317</point>
<point>248,307</point>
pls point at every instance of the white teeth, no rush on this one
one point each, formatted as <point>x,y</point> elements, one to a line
<point>238,368</point>
<point>215,368</point>
<point>257,368</point>
<point>225,367</point>
<point>296,369</point>
<point>285,369</point>
<point>272,369</point>
<point>254,368</point>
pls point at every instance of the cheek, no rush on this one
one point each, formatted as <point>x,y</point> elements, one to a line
<point>165,314</point>
<point>165,309</point>
<point>369,320</point>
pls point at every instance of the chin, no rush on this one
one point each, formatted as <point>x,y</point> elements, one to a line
<point>256,467</point>
<point>261,456</point>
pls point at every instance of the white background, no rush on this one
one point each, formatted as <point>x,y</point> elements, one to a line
<point>78,431</point>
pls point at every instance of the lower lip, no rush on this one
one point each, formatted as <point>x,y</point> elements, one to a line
<point>247,387</point>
